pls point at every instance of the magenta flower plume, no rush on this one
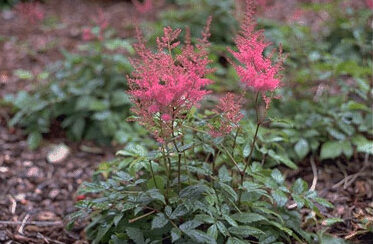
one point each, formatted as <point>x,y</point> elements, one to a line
<point>164,86</point>
<point>255,70</point>
<point>229,113</point>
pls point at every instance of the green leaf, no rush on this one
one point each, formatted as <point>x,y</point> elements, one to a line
<point>229,192</point>
<point>179,211</point>
<point>119,98</point>
<point>200,237</point>
<point>245,231</point>
<point>323,202</point>
<point>222,228</point>
<point>298,200</point>
<point>224,175</point>
<point>175,234</point>
<point>280,197</point>
<point>135,234</point>
<point>302,148</point>
<point>102,230</point>
<point>77,128</point>
<point>277,176</point>
<point>347,148</point>
<point>160,182</point>
<point>234,240</point>
<point>336,134</point>
<point>156,195</point>
<point>299,186</point>
<point>231,221</point>
<point>213,231</point>
<point>282,159</point>
<point>159,221</point>
<point>330,149</point>
<point>247,218</point>
<point>189,225</point>
<point>362,144</point>
<point>193,192</point>
<point>246,150</point>
<point>34,139</point>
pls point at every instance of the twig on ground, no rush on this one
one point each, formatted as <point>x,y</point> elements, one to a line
<point>314,170</point>
<point>38,223</point>
<point>14,204</point>
<point>20,229</point>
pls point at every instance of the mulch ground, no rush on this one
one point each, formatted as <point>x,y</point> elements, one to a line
<point>36,196</point>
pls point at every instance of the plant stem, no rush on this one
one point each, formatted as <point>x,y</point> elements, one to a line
<point>248,161</point>
<point>140,217</point>
<point>235,140</point>
<point>152,172</point>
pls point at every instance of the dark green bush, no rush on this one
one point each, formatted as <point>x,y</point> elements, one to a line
<point>85,95</point>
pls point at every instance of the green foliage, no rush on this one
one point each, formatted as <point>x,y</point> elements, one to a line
<point>85,94</point>
<point>336,120</point>
<point>139,198</point>
<point>194,13</point>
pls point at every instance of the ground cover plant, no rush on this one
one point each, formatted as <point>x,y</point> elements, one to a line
<point>206,182</point>
<point>84,93</point>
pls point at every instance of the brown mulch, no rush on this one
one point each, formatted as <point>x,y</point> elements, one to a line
<point>32,190</point>
<point>348,185</point>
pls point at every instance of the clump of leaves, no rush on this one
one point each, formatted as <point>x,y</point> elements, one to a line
<point>84,94</point>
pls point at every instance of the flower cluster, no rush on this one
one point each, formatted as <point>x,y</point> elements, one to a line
<point>32,11</point>
<point>256,70</point>
<point>229,113</point>
<point>164,86</point>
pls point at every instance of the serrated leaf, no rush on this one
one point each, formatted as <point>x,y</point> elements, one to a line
<point>200,237</point>
<point>245,231</point>
<point>213,231</point>
<point>246,150</point>
<point>229,192</point>
<point>347,148</point>
<point>224,175</point>
<point>159,221</point>
<point>193,192</point>
<point>277,176</point>
<point>234,240</point>
<point>302,148</point>
<point>189,225</point>
<point>135,234</point>
<point>282,159</point>
<point>280,197</point>
<point>323,202</point>
<point>298,200</point>
<point>179,211</point>
<point>222,228</point>
<point>330,150</point>
<point>175,234</point>
<point>231,221</point>
<point>247,218</point>
<point>299,186</point>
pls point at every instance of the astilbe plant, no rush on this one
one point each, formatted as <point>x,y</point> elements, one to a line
<point>187,190</point>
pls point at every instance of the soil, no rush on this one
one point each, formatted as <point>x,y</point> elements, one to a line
<point>36,195</point>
